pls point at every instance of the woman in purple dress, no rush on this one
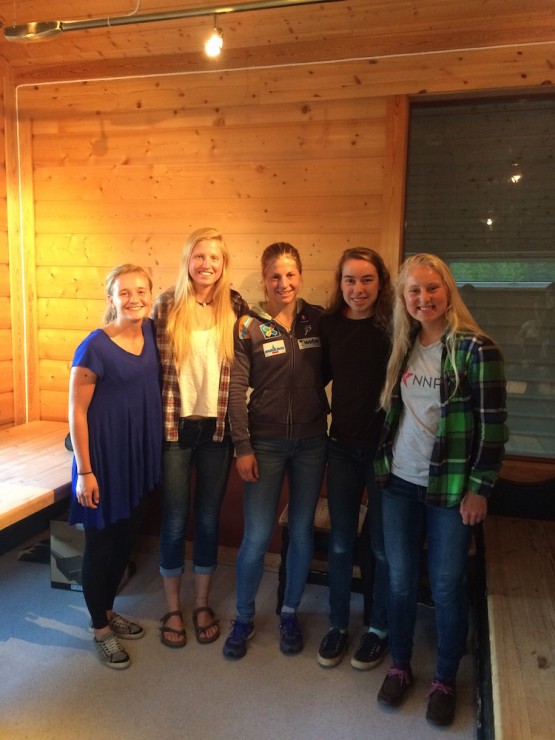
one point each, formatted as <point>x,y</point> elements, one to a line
<point>115,421</point>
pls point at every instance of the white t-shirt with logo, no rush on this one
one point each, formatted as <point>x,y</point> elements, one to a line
<point>414,440</point>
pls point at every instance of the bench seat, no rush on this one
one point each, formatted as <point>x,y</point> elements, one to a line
<point>520,581</point>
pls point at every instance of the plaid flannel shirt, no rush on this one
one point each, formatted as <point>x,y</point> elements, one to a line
<point>470,439</point>
<point>171,395</point>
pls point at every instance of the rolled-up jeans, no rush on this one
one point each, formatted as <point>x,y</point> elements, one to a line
<point>404,516</point>
<point>303,461</point>
<point>212,461</point>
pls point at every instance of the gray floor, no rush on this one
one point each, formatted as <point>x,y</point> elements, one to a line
<point>53,687</point>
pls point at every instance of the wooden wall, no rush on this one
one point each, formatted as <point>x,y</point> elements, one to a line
<point>7,380</point>
<point>123,170</point>
<point>121,141</point>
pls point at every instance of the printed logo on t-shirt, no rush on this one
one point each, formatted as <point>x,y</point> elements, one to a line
<point>274,348</point>
<point>421,381</point>
<point>309,343</point>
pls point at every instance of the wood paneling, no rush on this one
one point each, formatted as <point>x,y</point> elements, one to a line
<point>129,138</point>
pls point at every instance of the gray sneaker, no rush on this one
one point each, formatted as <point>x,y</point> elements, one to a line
<point>111,652</point>
<point>123,628</point>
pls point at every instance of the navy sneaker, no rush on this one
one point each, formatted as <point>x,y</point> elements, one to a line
<point>333,647</point>
<point>235,646</point>
<point>290,635</point>
<point>370,652</point>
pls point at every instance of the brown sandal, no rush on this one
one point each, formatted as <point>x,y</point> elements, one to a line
<point>200,631</point>
<point>163,629</point>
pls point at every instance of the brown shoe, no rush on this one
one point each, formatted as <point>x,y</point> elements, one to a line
<point>395,685</point>
<point>441,704</point>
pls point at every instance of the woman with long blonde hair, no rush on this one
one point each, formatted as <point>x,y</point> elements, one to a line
<point>194,329</point>
<point>441,447</point>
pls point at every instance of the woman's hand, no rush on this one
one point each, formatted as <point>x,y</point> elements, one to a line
<point>473,508</point>
<point>247,467</point>
<point>87,492</point>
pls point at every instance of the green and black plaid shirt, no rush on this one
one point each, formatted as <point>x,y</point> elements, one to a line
<point>470,440</point>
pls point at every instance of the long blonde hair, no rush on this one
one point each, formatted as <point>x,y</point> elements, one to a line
<point>110,314</point>
<point>181,315</point>
<point>457,316</point>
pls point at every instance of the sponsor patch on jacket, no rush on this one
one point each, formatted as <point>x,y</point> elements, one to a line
<point>243,328</point>
<point>274,348</point>
<point>309,343</point>
<point>270,330</point>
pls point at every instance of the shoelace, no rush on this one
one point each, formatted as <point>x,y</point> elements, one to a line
<point>111,645</point>
<point>399,673</point>
<point>438,686</point>
<point>123,624</point>
<point>289,624</point>
<point>332,638</point>
<point>239,629</point>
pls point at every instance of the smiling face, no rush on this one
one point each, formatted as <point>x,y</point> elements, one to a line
<point>360,286</point>
<point>426,298</point>
<point>206,264</point>
<point>131,297</point>
<point>282,282</point>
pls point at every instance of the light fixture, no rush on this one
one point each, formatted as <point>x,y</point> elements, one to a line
<point>35,31</point>
<point>214,44</point>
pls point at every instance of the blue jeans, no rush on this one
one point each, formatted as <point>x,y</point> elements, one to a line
<point>350,470</point>
<point>212,461</point>
<point>404,516</point>
<point>303,461</point>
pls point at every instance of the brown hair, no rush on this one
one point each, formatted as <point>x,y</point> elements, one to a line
<point>280,249</point>
<point>384,303</point>
<point>110,314</point>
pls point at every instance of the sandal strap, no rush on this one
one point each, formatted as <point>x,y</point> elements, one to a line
<point>201,609</point>
<point>171,629</point>
<point>177,613</point>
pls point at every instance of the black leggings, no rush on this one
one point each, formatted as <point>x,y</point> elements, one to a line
<point>106,555</point>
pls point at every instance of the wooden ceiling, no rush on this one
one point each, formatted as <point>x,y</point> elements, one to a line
<point>343,30</point>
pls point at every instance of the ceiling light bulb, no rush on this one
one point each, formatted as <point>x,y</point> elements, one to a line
<point>214,44</point>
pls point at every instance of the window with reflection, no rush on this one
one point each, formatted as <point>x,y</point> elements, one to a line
<point>481,195</point>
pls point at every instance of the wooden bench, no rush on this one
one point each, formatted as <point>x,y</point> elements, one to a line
<point>520,582</point>
<point>35,469</point>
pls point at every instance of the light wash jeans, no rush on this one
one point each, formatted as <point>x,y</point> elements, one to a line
<point>404,515</point>
<point>303,461</point>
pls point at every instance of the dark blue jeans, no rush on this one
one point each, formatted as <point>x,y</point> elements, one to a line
<point>212,461</point>
<point>404,515</point>
<point>350,470</point>
<point>303,461</point>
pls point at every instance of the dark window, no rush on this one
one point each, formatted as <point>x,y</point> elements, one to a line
<point>481,195</point>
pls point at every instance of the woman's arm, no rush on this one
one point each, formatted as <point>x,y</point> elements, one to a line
<point>238,387</point>
<point>81,389</point>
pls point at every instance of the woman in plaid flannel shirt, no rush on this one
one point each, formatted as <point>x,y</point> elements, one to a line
<point>441,447</point>
<point>194,331</point>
